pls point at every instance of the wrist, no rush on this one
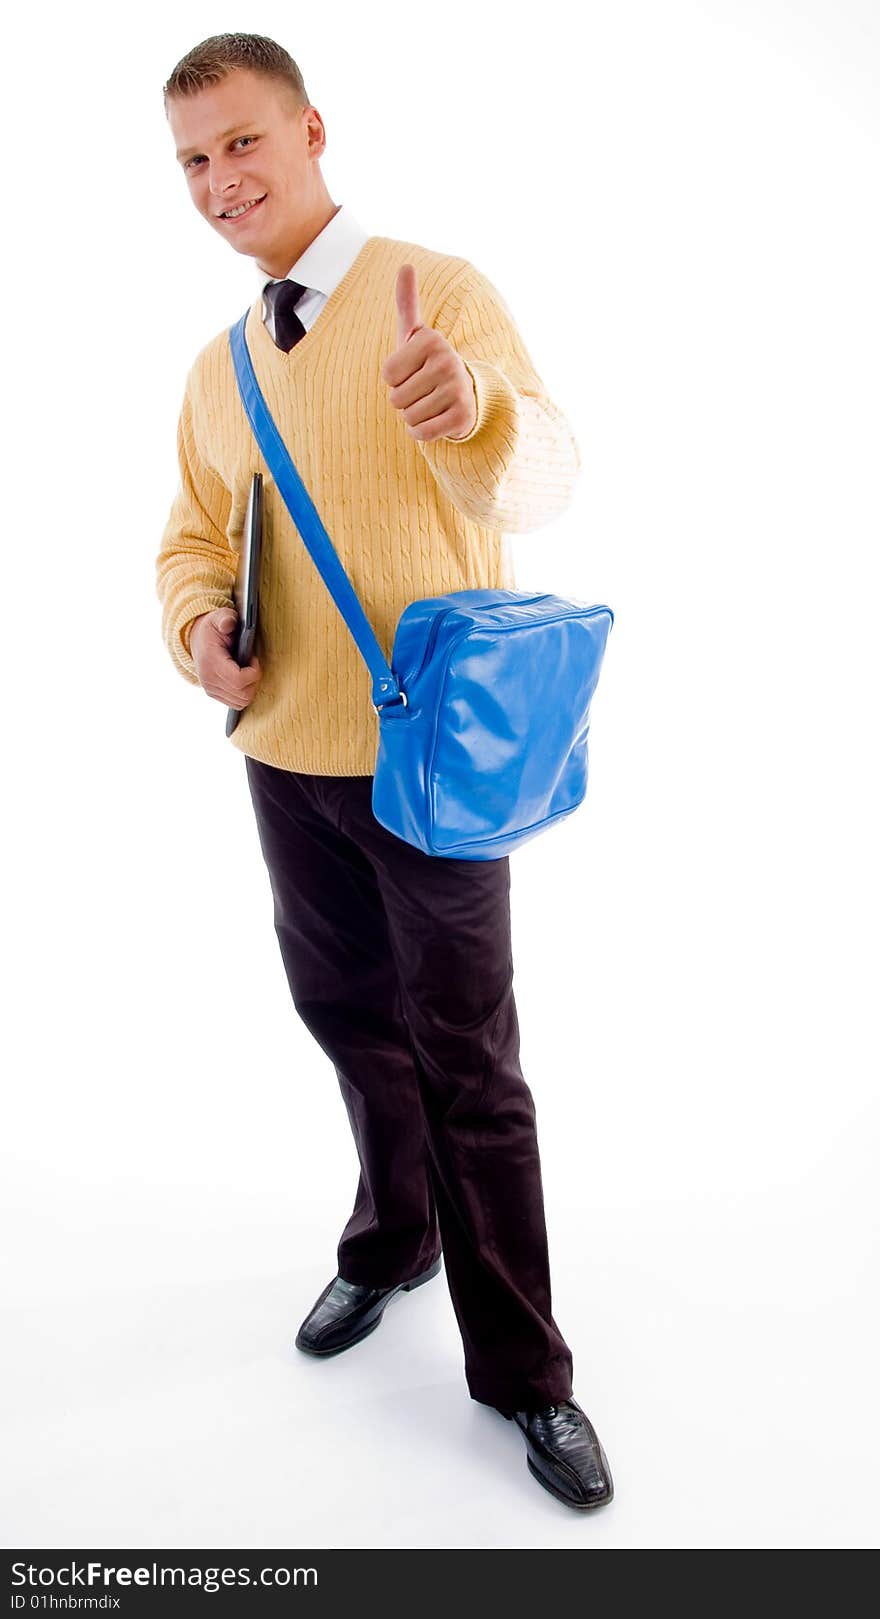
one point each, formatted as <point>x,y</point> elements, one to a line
<point>187,632</point>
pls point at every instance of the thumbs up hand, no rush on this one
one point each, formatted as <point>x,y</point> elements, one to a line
<point>428,382</point>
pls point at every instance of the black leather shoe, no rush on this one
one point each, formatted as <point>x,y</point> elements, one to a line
<point>346,1312</point>
<point>565,1455</point>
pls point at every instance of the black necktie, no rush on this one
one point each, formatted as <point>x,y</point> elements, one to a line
<point>282,295</point>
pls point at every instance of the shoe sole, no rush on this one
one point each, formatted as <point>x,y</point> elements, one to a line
<point>405,1287</point>
<point>579,1506</point>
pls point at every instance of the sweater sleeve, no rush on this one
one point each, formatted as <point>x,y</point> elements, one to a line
<point>517,468</point>
<point>196,566</point>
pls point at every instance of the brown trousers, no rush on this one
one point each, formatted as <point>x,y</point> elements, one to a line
<point>399,964</point>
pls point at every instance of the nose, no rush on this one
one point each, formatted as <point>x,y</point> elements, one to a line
<point>220,181</point>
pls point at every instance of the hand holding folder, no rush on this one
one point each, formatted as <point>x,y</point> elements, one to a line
<point>246,591</point>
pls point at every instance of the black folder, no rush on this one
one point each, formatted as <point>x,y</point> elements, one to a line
<point>246,590</point>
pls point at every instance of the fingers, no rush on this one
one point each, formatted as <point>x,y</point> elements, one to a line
<point>409,313</point>
<point>414,338</point>
<point>219,674</point>
<point>222,678</point>
<point>241,684</point>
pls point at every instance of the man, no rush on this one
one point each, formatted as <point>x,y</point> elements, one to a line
<point>413,413</point>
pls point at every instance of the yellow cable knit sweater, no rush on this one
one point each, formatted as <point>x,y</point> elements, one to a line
<point>408,518</point>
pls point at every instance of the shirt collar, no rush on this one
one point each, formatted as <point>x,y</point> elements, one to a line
<point>328,257</point>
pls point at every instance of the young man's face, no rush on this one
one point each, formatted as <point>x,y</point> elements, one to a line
<point>244,140</point>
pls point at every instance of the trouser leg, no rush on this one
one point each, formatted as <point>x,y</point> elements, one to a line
<point>333,934</point>
<point>449,926</point>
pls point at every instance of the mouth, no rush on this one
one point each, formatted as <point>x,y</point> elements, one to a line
<point>233,216</point>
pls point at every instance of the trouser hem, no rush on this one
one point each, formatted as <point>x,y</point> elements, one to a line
<point>530,1396</point>
<point>409,1275</point>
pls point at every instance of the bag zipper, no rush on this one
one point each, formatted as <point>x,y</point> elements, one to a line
<point>526,601</point>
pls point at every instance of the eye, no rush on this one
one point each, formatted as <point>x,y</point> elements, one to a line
<point>200,159</point>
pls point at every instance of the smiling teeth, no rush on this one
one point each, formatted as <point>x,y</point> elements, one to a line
<point>233,213</point>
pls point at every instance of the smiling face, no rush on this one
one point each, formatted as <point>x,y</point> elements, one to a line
<point>246,140</point>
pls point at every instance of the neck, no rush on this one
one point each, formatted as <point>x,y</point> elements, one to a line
<point>278,262</point>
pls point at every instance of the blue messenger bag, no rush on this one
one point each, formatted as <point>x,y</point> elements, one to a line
<point>484,711</point>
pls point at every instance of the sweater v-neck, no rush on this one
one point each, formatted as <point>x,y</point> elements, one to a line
<point>257,330</point>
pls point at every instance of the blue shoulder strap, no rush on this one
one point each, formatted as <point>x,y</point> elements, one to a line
<point>299,503</point>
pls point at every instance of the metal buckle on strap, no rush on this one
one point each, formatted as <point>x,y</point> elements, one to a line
<point>401,699</point>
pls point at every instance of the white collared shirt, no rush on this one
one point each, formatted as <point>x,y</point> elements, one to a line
<point>321,267</point>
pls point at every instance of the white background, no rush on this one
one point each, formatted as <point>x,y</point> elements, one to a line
<point>679,204</point>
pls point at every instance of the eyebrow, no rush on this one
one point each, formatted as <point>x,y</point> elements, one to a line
<point>190,151</point>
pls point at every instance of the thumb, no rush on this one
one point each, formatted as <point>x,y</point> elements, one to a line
<point>409,313</point>
<point>226,620</point>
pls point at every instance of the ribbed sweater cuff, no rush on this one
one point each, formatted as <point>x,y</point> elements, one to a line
<point>496,399</point>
